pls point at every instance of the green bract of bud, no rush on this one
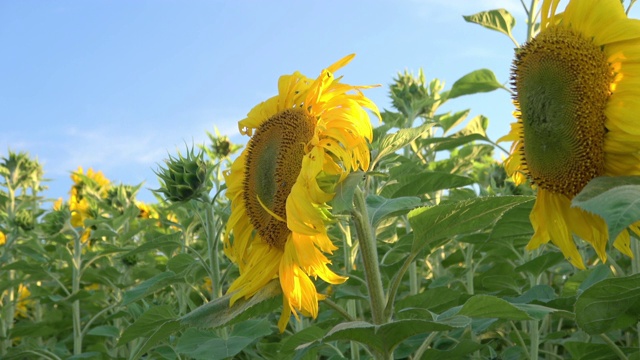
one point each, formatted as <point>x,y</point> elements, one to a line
<point>185,177</point>
<point>20,171</point>
<point>413,97</point>
<point>24,220</point>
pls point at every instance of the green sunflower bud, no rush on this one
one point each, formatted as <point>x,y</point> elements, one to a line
<point>185,177</point>
<point>54,221</point>
<point>221,147</point>
<point>24,220</point>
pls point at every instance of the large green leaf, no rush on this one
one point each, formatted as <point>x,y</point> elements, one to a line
<point>433,224</point>
<point>615,199</point>
<point>150,322</point>
<point>394,142</point>
<point>206,344</point>
<point>498,20</point>
<point>448,121</point>
<point>488,306</point>
<point>425,183</point>
<point>218,312</point>
<point>477,81</point>
<point>609,304</point>
<point>380,208</point>
<point>149,286</point>
<point>384,338</point>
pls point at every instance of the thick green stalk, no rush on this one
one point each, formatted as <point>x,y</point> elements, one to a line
<point>369,253</point>
<point>75,287</point>
<point>531,21</point>
<point>212,243</point>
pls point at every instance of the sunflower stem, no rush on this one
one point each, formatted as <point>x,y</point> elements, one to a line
<point>369,253</point>
<point>75,287</point>
<point>531,21</point>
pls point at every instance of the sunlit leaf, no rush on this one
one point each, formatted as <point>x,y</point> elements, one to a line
<point>478,81</point>
<point>433,224</point>
<point>425,183</point>
<point>498,20</point>
<point>615,199</point>
<point>394,142</point>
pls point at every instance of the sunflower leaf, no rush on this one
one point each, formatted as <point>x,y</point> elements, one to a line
<point>436,224</point>
<point>487,306</point>
<point>612,303</point>
<point>478,81</point>
<point>615,199</point>
<point>343,200</point>
<point>380,208</point>
<point>498,20</point>
<point>206,344</point>
<point>396,141</point>
<point>218,313</point>
<point>384,338</point>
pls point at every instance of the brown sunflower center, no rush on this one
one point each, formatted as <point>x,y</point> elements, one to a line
<point>562,82</point>
<point>274,160</point>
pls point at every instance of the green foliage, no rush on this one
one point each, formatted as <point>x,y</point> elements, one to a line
<point>103,276</point>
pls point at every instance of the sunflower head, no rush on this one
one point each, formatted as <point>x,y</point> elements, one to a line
<point>574,121</point>
<point>303,142</point>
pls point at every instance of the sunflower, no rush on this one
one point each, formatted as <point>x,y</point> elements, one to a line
<point>303,142</point>
<point>577,99</point>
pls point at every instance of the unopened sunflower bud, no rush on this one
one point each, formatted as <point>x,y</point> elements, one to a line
<point>185,177</point>
<point>24,220</point>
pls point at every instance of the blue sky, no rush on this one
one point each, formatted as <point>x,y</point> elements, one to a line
<point>117,85</point>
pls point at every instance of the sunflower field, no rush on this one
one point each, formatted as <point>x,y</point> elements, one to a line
<point>345,231</point>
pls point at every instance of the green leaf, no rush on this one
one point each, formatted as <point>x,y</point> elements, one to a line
<point>380,208</point>
<point>218,312</point>
<point>105,330</point>
<point>498,20</point>
<point>206,344</point>
<point>180,263</point>
<point>615,199</point>
<point>462,350</point>
<point>149,286</point>
<point>541,263</point>
<point>343,200</point>
<point>383,338</point>
<point>448,120</point>
<point>609,304</point>
<point>487,306</point>
<point>306,335</point>
<point>433,224</point>
<point>589,351</point>
<point>425,183</point>
<point>161,333</point>
<point>148,323</point>
<point>394,142</point>
<point>483,80</point>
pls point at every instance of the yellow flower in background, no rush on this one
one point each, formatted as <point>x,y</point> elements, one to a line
<point>80,210</point>
<point>146,211</point>
<point>100,182</point>
<point>304,141</point>
<point>23,301</point>
<point>3,238</point>
<point>577,104</point>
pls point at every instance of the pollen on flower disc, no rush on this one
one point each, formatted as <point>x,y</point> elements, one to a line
<point>274,160</point>
<point>562,81</point>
